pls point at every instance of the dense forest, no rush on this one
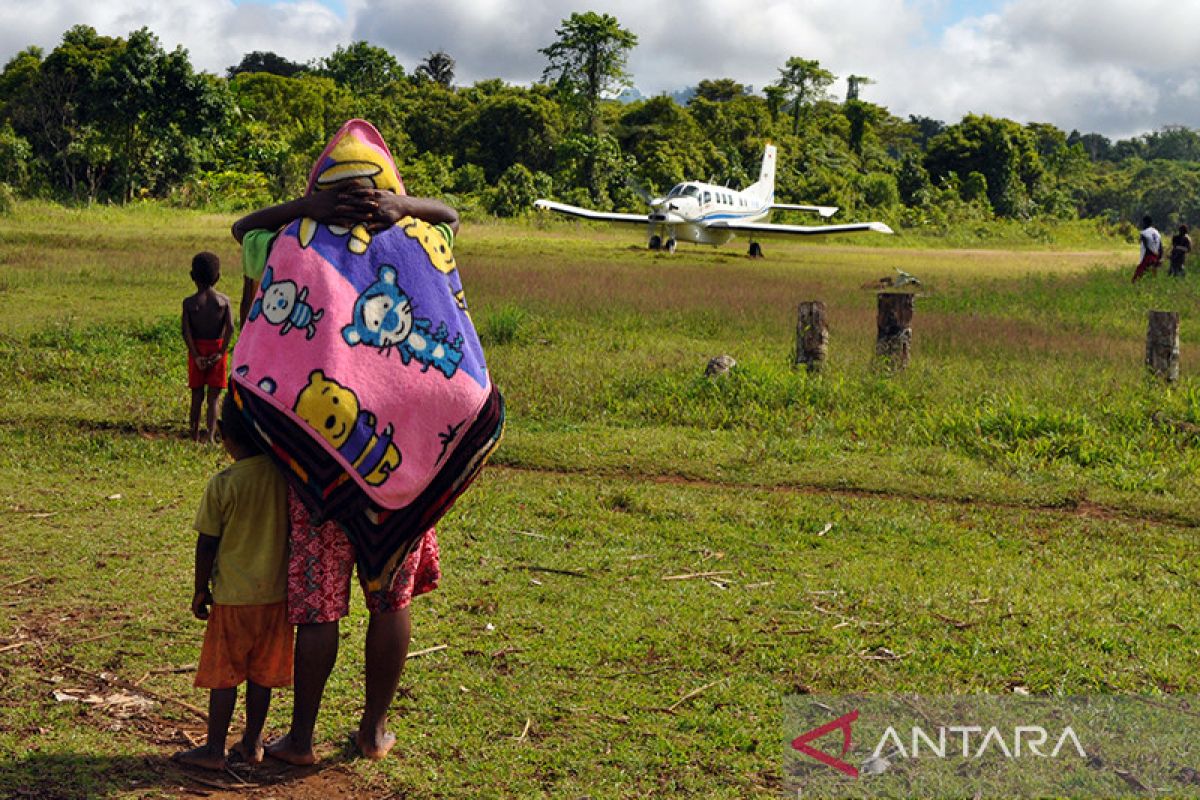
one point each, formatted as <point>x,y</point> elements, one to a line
<point>113,119</point>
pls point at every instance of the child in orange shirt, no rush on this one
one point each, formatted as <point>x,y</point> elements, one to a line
<point>241,572</point>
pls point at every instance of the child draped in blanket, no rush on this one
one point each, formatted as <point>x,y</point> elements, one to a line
<point>364,377</point>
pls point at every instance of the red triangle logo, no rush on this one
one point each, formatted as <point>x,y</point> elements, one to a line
<point>843,724</point>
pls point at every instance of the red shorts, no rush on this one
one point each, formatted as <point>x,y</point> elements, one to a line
<point>321,558</point>
<point>213,376</point>
<point>246,642</point>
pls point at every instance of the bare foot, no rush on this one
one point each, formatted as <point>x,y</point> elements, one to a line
<point>247,752</point>
<point>374,747</point>
<point>200,757</point>
<point>287,751</point>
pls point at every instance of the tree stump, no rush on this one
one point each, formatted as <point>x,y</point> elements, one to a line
<point>893,320</point>
<point>812,335</point>
<point>1162,345</point>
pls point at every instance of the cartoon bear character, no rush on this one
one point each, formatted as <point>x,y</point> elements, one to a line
<point>432,241</point>
<point>281,304</point>
<point>383,318</point>
<point>332,411</point>
<point>382,314</point>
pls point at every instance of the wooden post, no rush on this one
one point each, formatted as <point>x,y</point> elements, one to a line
<point>894,322</point>
<point>1162,345</point>
<point>812,335</point>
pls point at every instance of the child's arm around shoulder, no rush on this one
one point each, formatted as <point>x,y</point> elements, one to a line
<point>392,207</point>
<point>353,204</point>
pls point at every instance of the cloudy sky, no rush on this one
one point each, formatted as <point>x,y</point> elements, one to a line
<point>1110,66</point>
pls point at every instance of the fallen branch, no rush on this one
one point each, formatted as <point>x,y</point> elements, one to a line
<point>171,670</point>
<point>848,620</point>
<point>133,687</point>
<point>225,787</point>
<point>428,650</point>
<point>240,779</point>
<point>97,637</point>
<point>691,575</point>
<point>14,645</point>
<point>881,654</point>
<point>694,693</point>
<point>572,572</point>
<point>525,732</point>
<point>1132,780</point>
<point>533,535</point>
<point>956,623</point>
<point>17,583</point>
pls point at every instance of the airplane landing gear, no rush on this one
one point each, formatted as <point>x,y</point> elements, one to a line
<point>670,245</point>
<point>756,250</point>
<point>655,242</point>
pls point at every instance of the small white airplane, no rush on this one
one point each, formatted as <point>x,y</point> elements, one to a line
<point>703,213</point>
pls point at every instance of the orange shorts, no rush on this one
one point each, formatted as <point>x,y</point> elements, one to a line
<point>246,643</point>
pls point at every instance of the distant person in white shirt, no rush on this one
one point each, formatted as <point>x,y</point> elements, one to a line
<point>1152,249</point>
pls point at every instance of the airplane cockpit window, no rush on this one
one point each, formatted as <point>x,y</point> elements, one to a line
<point>684,190</point>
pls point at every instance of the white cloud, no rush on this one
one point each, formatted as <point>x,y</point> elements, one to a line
<point>1119,68</point>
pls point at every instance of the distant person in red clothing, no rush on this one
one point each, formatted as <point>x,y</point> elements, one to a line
<point>207,322</point>
<point>1152,249</point>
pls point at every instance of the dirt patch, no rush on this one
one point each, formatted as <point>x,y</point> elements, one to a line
<point>135,717</point>
<point>270,780</point>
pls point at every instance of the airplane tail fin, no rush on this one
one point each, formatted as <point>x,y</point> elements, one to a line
<point>764,187</point>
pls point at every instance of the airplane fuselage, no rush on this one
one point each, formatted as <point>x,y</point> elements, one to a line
<point>688,209</point>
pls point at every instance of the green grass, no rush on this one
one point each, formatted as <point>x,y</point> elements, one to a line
<point>1017,509</point>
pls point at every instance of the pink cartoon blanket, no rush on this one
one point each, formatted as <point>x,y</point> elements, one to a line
<point>361,369</point>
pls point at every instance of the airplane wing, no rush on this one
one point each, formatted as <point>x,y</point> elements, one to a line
<point>768,229</point>
<point>825,211</point>
<point>587,213</point>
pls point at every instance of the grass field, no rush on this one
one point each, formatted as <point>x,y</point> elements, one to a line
<point>1017,511</point>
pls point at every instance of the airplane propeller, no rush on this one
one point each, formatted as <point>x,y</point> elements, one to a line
<point>655,203</point>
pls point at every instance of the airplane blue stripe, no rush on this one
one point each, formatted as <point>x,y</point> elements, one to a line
<point>732,216</point>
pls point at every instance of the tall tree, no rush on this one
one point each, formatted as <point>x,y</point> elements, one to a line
<point>588,60</point>
<point>362,67</point>
<point>721,90</point>
<point>513,127</point>
<point>265,61</point>
<point>854,84</point>
<point>158,109</point>
<point>1002,151</point>
<point>859,114</point>
<point>804,82</point>
<point>438,67</point>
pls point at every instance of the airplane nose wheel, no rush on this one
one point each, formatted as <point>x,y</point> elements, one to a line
<point>671,245</point>
<point>756,250</point>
